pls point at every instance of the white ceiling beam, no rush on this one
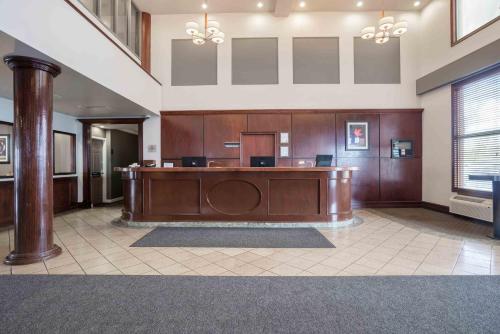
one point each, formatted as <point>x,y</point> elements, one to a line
<point>283,8</point>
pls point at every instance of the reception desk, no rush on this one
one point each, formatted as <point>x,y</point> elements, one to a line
<point>279,194</point>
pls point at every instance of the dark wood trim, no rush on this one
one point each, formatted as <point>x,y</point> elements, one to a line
<point>474,193</point>
<point>288,111</point>
<point>87,144</point>
<point>436,207</point>
<point>110,39</point>
<point>73,155</point>
<point>453,25</point>
<point>276,143</point>
<point>87,181</point>
<point>136,120</point>
<point>146,41</point>
<point>140,132</point>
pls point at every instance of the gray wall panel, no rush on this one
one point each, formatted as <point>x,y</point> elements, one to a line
<point>316,60</point>
<point>376,64</point>
<point>192,64</point>
<point>254,61</point>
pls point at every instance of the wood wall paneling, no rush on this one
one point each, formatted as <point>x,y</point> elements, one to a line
<point>257,144</point>
<point>373,134</point>
<point>222,128</point>
<point>284,162</point>
<point>294,197</point>
<point>172,196</point>
<point>270,122</point>
<point>400,126</point>
<point>224,162</point>
<point>6,203</point>
<point>365,181</point>
<point>313,134</point>
<point>274,123</point>
<point>235,195</point>
<point>65,198</point>
<point>400,179</point>
<point>65,193</point>
<point>304,162</point>
<point>181,136</point>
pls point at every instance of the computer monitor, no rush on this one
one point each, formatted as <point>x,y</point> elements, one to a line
<point>194,161</point>
<point>324,160</point>
<point>262,162</point>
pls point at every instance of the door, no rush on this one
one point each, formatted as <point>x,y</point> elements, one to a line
<point>256,145</point>
<point>97,171</point>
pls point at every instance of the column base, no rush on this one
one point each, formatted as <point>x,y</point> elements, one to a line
<point>27,258</point>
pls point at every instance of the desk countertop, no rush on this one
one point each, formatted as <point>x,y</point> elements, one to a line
<point>233,169</point>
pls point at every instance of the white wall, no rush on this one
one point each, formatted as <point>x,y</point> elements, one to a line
<point>285,95</point>
<point>435,51</point>
<point>60,122</point>
<point>55,29</point>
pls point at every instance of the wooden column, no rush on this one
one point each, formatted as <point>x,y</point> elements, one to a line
<point>146,42</point>
<point>33,186</point>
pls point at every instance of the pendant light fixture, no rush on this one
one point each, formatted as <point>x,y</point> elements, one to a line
<point>385,29</point>
<point>210,32</point>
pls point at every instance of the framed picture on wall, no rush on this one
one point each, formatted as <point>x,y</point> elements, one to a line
<point>356,136</point>
<point>4,149</point>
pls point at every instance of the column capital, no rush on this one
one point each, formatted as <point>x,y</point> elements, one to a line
<point>14,62</point>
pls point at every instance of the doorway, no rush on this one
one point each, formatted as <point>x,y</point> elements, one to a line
<point>98,170</point>
<point>108,143</point>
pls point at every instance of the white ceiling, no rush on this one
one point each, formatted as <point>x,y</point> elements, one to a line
<point>74,93</point>
<point>130,128</point>
<point>156,7</point>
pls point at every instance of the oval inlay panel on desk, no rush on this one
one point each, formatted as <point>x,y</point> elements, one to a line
<point>234,197</point>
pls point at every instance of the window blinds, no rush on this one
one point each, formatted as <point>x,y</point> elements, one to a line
<point>476,131</point>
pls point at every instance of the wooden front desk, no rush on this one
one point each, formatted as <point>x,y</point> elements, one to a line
<point>280,194</point>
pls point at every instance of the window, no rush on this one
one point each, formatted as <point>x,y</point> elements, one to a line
<point>476,131</point>
<point>122,17</point>
<point>106,12</point>
<point>470,16</point>
<point>134,29</point>
<point>90,4</point>
<point>121,20</point>
<point>64,153</point>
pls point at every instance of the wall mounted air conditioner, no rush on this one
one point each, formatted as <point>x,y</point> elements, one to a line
<point>473,207</point>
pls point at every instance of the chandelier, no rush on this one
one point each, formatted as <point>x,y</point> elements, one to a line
<point>386,28</point>
<point>211,32</point>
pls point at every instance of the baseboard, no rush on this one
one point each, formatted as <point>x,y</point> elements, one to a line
<point>436,207</point>
<point>113,200</point>
<point>84,205</point>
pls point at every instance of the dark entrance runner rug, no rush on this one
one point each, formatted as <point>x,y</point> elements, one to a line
<point>234,237</point>
<point>189,304</point>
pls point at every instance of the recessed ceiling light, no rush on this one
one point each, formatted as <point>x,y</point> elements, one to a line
<point>302,4</point>
<point>260,4</point>
<point>359,4</point>
<point>416,3</point>
<point>204,5</point>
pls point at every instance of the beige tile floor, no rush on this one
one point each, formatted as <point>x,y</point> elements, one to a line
<point>380,246</point>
